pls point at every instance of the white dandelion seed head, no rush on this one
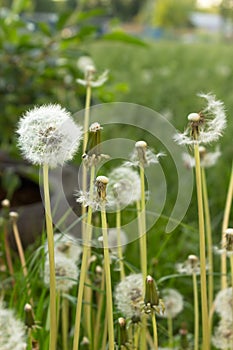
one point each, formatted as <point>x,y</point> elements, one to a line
<point>89,79</point>
<point>66,273</point>
<point>190,266</point>
<point>113,240</point>
<point>129,296</point>
<point>173,302</point>
<point>48,135</point>
<point>213,123</point>
<point>224,304</point>
<point>12,330</point>
<point>85,64</point>
<point>207,159</point>
<point>223,335</point>
<point>124,186</point>
<point>65,245</point>
<point>142,154</point>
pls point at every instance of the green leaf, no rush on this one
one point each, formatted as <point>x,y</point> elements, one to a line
<point>123,37</point>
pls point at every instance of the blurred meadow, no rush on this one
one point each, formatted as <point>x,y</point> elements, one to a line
<point>39,52</point>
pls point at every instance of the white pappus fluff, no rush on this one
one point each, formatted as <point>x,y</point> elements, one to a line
<point>48,135</point>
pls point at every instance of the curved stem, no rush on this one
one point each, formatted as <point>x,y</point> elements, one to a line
<point>170,332</point>
<point>52,284</point>
<point>196,312</point>
<point>108,280</point>
<point>204,307</point>
<point>224,227</point>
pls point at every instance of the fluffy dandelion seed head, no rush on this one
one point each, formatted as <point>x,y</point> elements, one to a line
<point>223,335</point>
<point>85,63</point>
<point>65,245</point>
<point>143,156</point>
<point>173,302</point>
<point>224,304</point>
<point>190,266</point>
<point>12,330</point>
<point>113,240</point>
<point>141,144</point>
<point>208,159</point>
<point>129,296</point>
<point>48,135</point>
<point>124,186</point>
<point>102,179</point>
<point>66,273</point>
<point>208,127</point>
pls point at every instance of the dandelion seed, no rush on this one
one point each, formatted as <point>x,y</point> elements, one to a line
<point>208,159</point>
<point>206,126</point>
<point>12,331</point>
<point>228,249</point>
<point>65,245</point>
<point>143,156</point>
<point>224,304</point>
<point>66,273</point>
<point>48,135</point>
<point>97,199</point>
<point>190,266</point>
<point>129,296</point>
<point>89,75</point>
<point>124,186</point>
<point>173,302</point>
<point>85,63</point>
<point>223,335</point>
<point>112,240</point>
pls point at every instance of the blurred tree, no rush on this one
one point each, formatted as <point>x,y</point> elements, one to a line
<point>173,13</point>
<point>226,9</point>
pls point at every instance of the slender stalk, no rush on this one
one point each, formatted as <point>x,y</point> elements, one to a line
<point>204,307</point>
<point>170,332</point>
<point>209,240</point>
<point>142,218</point>
<point>29,342</point>
<point>21,256</point>
<point>119,246</point>
<point>100,303</point>
<point>65,325</point>
<point>58,309</point>
<point>136,336</point>
<point>196,311</point>
<point>224,227</point>
<point>83,271</point>
<point>7,251</point>
<point>52,284</point>
<point>107,279</point>
<point>105,332</point>
<point>155,334</point>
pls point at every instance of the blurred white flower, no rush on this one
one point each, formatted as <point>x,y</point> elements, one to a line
<point>129,296</point>
<point>223,335</point>
<point>66,245</point>
<point>124,186</point>
<point>112,240</point>
<point>85,63</point>
<point>208,159</point>
<point>173,302</point>
<point>66,272</point>
<point>208,125</point>
<point>224,304</point>
<point>48,135</point>
<point>142,155</point>
<point>12,331</point>
<point>190,266</point>
<point>91,80</point>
